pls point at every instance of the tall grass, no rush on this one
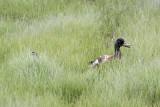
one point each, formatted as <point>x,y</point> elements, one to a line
<point>67,34</point>
<point>31,9</point>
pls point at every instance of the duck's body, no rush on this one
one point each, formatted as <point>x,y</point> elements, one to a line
<point>107,58</point>
<point>101,59</point>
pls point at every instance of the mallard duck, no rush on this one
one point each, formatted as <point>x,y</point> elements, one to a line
<point>107,58</point>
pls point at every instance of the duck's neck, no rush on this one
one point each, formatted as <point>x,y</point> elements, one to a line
<point>117,53</point>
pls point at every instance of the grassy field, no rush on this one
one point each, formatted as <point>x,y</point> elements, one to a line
<point>67,34</point>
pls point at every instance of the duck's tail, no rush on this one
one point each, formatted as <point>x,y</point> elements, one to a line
<point>94,63</point>
<point>90,62</point>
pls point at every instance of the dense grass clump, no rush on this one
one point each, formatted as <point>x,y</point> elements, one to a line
<point>66,35</point>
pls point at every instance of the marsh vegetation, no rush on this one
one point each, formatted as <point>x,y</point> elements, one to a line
<point>67,34</point>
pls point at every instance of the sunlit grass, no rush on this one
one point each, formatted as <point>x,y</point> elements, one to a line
<point>67,35</point>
